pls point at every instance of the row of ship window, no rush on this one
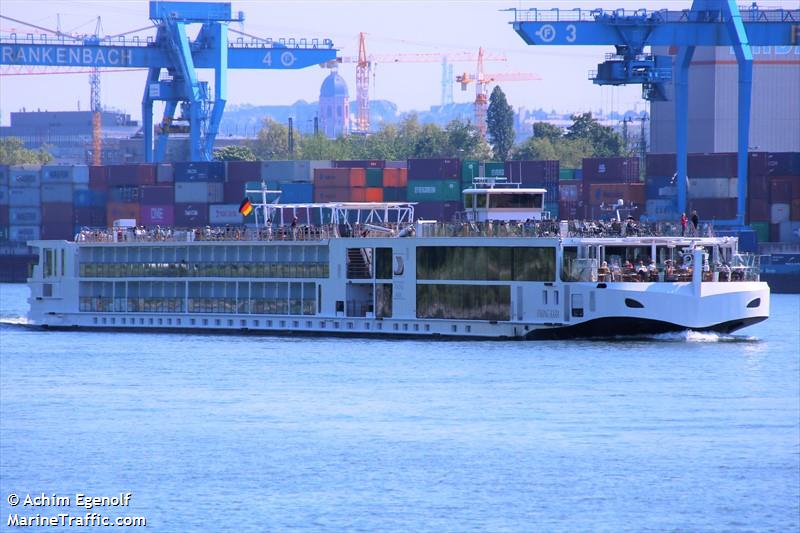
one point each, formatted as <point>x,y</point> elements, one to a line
<point>261,306</point>
<point>205,270</point>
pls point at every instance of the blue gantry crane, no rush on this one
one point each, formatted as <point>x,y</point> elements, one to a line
<point>707,23</point>
<point>172,50</point>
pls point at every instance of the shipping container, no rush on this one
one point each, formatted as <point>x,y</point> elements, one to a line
<point>566,174</point>
<point>659,187</point>
<point>789,231</point>
<point>191,215</point>
<point>395,194</point>
<point>711,209</point>
<point>611,169</point>
<point>331,194</point>
<point>610,193</point>
<point>395,177</point>
<point>340,177</point>
<point>374,177</point>
<point>241,171</point>
<point>233,191</point>
<point>57,212</point>
<point>117,211</point>
<point>779,212</point>
<point>762,231</point>
<point>3,175</point>
<point>24,197</point>
<point>757,210</point>
<point>58,231</point>
<point>493,169</point>
<point>434,169</point>
<point>24,176</point>
<point>287,171</point>
<point>359,163</point>
<point>757,164</point>
<point>130,174</point>
<point>571,210</point>
<point>57,192</point>
<point>123,194</point>
<point>774,233</point>
<point>662,210</point>
<point>758,187</point>
<point>24,216</point>
<point>396,164</point>
<point>434,190</point>
<point>165,173</point>
<point>88,198</point>
<point>718,165</point>
<point>3,232</point>
<point>570,190</point>
<point>296,193</point>
<point>784,164</point>
<point>201,192</point>
<point>3,194</point>
<point>98,178</point>
<point>221,214</point>
<point>781,189</point>
<point>93,217</point>
<point>156,194</point>
<point>373,194</point>
<point>531,172</point>
<point>794,211</point>
<point>201,171</point>
<point>157,215</point>
<point>4,215</point>
<point>24,233</point>
<point>713,187</point>
<point>470,169</point>
<point>65,174</point>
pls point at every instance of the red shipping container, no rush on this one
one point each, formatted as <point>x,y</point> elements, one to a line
<point>758,187</point>
<point>610,193</point>
<point>757,210</point>
<point>722,165</point>
<point>233,191</point>
<point>360,163</point>
<point>161,215</point>
<point>780,189</point>
<point>610,169</point>
<point>57,212</point>
<point>660,164</point>
<point>117,211</point>
<point>710,209</point>
<point>794,213</point>
<point>340,177</point>
<point>57,231</point>
<point>532,172</point>
<point>757,164</point>
<point>395,177</point>
<point>434,169</point>
<point>358,194</point>
<point>156,195</point>
<point>134,174</point>
<point>98,178</point>
<point>373,194</point>
<point>90,216</point>
<point>191,215</point>
<point>242,171</point>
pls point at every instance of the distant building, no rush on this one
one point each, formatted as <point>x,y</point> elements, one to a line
<point>334,107</point>
<point>69,133</point>
<point>713,97</point>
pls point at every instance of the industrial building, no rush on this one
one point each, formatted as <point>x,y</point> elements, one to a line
<point>713,95</point>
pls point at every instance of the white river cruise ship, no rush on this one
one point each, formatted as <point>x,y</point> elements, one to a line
<point>505,271</point>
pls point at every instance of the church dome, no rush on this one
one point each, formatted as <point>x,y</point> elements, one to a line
<point>333,86</point>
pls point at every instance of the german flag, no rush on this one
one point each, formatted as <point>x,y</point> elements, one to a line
<point>246,207</point>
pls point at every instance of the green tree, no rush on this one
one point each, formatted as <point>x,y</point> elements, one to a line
<point>545,130</point>
<point>500,124</point>
<point>605,142</point>
<point>13,152</point>
<point>432,142</point>
<point>234,153</point>
<point>466,142</point>
<point>272,141</point>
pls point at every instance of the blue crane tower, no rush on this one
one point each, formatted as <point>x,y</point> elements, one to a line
<point>707,23</point>
<point>172,49</point>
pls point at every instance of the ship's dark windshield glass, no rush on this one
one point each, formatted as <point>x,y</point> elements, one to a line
<point>516,200</point>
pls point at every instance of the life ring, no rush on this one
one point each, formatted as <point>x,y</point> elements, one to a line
<point>687,259</point>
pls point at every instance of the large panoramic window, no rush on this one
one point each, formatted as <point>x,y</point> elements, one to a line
<point>516,201</point>
<point>486,263</point>
<point>465,302</point>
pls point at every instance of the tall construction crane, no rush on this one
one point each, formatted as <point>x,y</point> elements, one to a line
<point>707,23</point>
<point>96,105</point>
<point>366,65</point>
<point>173,51</point>
<point>482,81</point>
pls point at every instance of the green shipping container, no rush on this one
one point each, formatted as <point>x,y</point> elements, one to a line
<point>374,177</point>
<point>552,208</point>
<point>469,169</point>
<point>493,169</point>
<point>394,194</point>
<point>762,230</point>
<point>433,190</point>
<point>566,174</point>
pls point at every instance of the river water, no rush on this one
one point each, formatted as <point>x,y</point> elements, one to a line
<point>227,433</point>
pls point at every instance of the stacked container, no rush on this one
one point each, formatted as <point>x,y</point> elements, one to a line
<point>24,202</point>
<point>570,200</point>
<point>436,186</point>
<point>340,185</point>
<point>59,184</point>
<point>394,183</point>
<point>156,205</point>
<point>123,193</point>
<point>198,184</point>
<point>537,175</point>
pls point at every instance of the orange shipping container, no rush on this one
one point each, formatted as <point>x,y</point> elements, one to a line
<point>331,194</point>
<point>374,194</point>
<point>118,210</point>
<point>358,177</point>
<point>358,194</point>
<point>395,177</point>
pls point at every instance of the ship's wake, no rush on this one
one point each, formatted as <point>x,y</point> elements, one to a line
<point>698,337</point>
<point>14,321</point>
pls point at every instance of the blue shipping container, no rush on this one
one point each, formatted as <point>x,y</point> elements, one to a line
<point>296,193</point>
<point>210,171</point>
<point>88,198</point>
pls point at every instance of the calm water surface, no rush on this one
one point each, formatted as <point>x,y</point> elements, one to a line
<point>232,433</point>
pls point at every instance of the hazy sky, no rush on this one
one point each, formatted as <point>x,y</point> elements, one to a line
<point>392,27</point>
